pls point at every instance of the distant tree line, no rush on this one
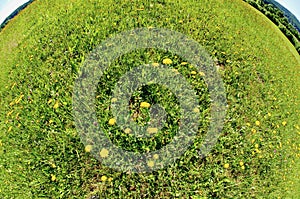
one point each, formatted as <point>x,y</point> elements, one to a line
<point>278,17</point>
<point>291,18</point>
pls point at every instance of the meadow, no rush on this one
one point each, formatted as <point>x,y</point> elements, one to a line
<point>42,50</point>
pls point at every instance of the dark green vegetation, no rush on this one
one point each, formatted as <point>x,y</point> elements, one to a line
<point>42,49</point>
<point>289,27</point>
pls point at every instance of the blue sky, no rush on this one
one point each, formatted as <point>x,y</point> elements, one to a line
<point>291,5</point>
<point>8,6</point>
<point>3,3</point>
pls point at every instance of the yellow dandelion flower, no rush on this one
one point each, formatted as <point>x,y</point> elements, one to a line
<point>155,64</point>
<point>114,100</point>
<point>152,130</point>
<point>184,63</point>
<point>155,156</point>
<point>248,124</point>
<point>175,71</point>
<point>127,130</point>
<point>253,130</point>
<point>110,179</point>
<point>226,166</point>
<point>167,61</point>
<point>145,105</point>
<point>243,167</point>
<point>257,123</point>
<point>202,74</point>
<point>257,151</point>
<point>88,148</point>
<point>256,146</point>
<point>20,98</point>
<point>284,123</point>
<point>112,121</point>
<point>241,163</point>
<point>53,177</point>
<point>9,113</point>
<point>56,105</point>
<point>196,110</point>
<point>193,72</point>
<point>150,163</point>
<point>104,153</point>
<point>103,178</point>
<point>269,114</point>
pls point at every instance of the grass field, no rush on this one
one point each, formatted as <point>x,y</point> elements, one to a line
<point>42,49</point>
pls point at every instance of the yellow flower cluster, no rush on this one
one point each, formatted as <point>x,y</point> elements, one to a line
<point>196,110</point>
<point>145,105</point>
<point>226,166</point>
<point>53,178</point>
<point>104,153</point>
<point>104,179</point>
<point>152,130</point>
<point>88,148</point>
<point>56,105</point>
<point>155,64</point>
<point>167,61</point>
<point>112,121</point>
<point>150,163</point>
<point>242,165</point>
<point>257,123</point>
<point>127,130</point>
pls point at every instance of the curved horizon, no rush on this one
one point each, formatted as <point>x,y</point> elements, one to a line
<point>7,7</point>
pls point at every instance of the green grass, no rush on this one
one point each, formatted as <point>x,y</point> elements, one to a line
<point>42,49</point>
